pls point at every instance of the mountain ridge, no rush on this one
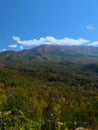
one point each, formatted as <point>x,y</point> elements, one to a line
<point>51,53</point>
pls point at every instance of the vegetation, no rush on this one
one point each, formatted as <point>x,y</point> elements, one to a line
<point>48,89</point>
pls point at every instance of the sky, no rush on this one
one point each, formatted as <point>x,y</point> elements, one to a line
<point>28,23</point>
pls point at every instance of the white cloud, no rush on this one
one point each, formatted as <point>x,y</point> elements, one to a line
<point>95,43</point>
<point>70,41</point>
<point>51,40</point>
<point>15,38</point>
<point>3,50</point>
<point>89,27</point>
<point>21,47</point>
<point>13,46</point>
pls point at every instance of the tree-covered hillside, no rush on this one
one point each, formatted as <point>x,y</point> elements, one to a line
<point>49,88</point>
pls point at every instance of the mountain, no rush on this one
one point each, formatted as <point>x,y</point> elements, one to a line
<point>50,50</point>
<point>51,53</point>
<point>46,78</point>
<point>62,80</point>
<point>86,50</point>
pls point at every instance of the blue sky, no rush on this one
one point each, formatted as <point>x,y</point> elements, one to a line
<point>26,23</point>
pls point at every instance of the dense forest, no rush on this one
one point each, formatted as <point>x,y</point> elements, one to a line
<point>49,87</point>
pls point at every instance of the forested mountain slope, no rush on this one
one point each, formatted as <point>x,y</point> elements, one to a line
<point>49,52</point>
<point>49,87</point>
<point>73,65</point>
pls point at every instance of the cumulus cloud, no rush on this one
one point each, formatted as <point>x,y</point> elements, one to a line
<point>70,41</point>
<point>13,46</point>
<point>51,40</point>
<point>89,27</point>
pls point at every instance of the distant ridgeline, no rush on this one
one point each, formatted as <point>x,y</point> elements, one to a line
<point>49,52</point>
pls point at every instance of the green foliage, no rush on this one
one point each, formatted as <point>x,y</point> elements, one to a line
<point>53,117</point>
<point>48,88</point>
<point>16,99</point>
<point>16,120</point>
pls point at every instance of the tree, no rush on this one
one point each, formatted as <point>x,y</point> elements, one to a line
<point>16,120</point>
